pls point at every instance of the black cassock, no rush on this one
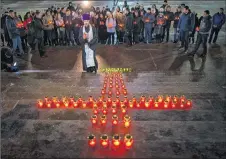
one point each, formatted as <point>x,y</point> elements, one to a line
<point>92,45</point>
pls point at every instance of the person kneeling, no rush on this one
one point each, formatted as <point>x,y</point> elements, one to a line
<point>88,39</point>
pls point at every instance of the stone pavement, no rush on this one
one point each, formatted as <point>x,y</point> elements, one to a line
<point>27,132</point>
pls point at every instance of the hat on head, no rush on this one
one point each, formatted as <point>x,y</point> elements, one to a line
<point>86,17</point>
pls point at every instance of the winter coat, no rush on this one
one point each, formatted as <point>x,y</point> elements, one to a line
<point>59,23</point>
<point>161,22</point>
<point>186,22</point>
<point>218,20</point>
<point>149,19</point>
<point>27,21</point>
<point>205,25</point>
<point>39,27</point>
<point>120,21</point>
<point>68,22</point>
<point>48,22</point>
<point>12,28</point>
<point>110,24</point>
<point>129,23</point>
<point>77,22</point>
<point>169,17</point>
<point>176,19</point>
<point>137,24</point>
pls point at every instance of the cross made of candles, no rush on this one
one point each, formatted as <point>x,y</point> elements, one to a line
<point>110,103</point>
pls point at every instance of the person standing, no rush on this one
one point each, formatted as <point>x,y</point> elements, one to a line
<point>128,27</point>
<point>60,29</point>
<point>168,17</point>
<point>14,33</point>
<point>102,31</point>
<point>77,23</point>
<point>39,33</point>
<point>148,19</point>
<point>137,27</point>
<point>120,28</point>
<point>192,35</point>
<point>205,26</point>
<point>69,28</point>
<point>49,26</point>
<point>175,23</point>
<point>88,38</point>
<point>160,23</point>
<point>111,24</point>
<point>218,22</point>
<point>185,26</point>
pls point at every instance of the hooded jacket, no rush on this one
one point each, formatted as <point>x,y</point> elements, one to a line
<point>129,22</point>
<point>205,25</point>
<point>48,22</point>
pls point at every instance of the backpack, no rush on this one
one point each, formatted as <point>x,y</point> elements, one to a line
<point>31,28</point>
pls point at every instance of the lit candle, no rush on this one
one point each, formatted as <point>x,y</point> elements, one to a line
<point>182,98</point>
<point>166,104</point>
<point>109,102</point>
<point>114,110</point>
<point>40,103</point>
<point>91,140</point>
<point>128,141</point>
<point>95,109</point>
<point>104,109</point>
<point>114,119</point>
<point>103,119</point>
<point>116,140</point>
<point>125,91</point>
<point>188,103</point>
<point>127,121</point>
<point>94,119</point>
<point>123,109</point>
<point>104,141</point>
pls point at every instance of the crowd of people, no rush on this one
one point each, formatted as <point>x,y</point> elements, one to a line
<point>131,25</point>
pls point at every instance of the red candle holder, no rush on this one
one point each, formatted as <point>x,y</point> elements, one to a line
<point>182,98</point>
<point>95,109</point>
<point>113,109</point>
<point>117,101</point>
<point>182,105</point>
<point>90,102</point>
<point>166,104</point>
<point>175,99</point>
<point>40,103</point>
<point>91,140</point>
<point>66,104</point>
<point>128,141</point>
<point>103,91</point>
<point>105,86</point>
<point>94,120</point>
<point>160,99</point>
<point>110,93</point>
<point>114,120</point>
<point>109,101</point>
<point>104,141</point>
<point>142,101</point>
<point>156,105</point>
<point>126,101</point>
<point>134,102</point>
<point>127,121</point>
<point>80,101</point>
<point>168,98</point>
<point>117,92</point>
<point>123,86</point>
<point>173,105</point>
<point>188,103</point>
<point>111,86</point>
<point>100,102</point>
<point>116,141</point>
<point>130,104</point>
<point>72,99</point>
<point>46,99</point>
<point>84,104</point>
<point>125,91</point>
<point>123,109</point>
<point>147,105</point>
<point>116,86</point>
<point>75,104</point>
<point>104,110</point>
<point>103,120</point>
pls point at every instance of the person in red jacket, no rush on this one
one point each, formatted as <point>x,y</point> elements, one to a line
<point>27,20</point>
